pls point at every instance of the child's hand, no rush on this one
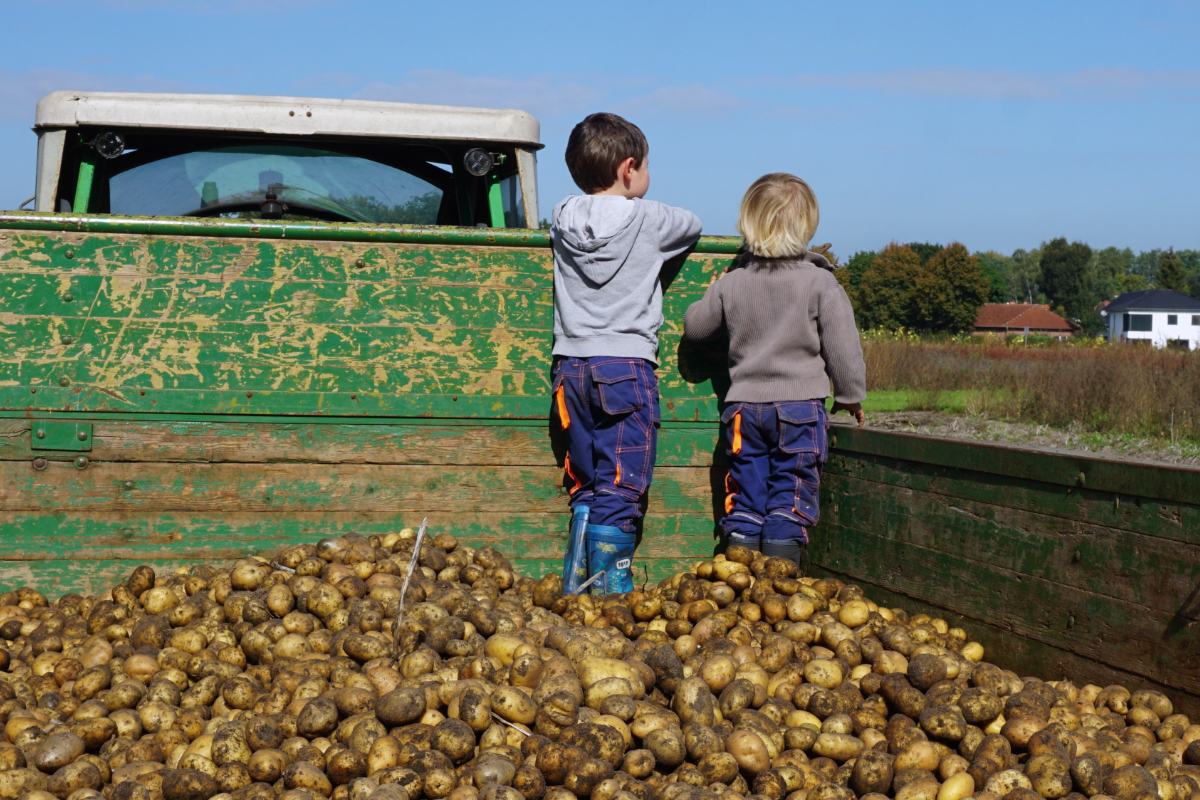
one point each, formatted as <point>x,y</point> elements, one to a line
<point>855,410</point>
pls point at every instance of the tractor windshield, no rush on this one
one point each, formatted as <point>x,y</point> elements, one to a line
<point>308,182</point>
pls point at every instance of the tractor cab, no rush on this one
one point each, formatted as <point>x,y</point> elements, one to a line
<point>286,158</point>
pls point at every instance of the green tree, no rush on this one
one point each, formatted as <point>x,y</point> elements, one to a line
<point>996,268</point>
<point>856,268</point>
<point>1132,282</point>
<point>924,250</point>
<point>950,290</point>
<point>420,209</point>
<point>1065,276</point>
<point>1170,273</point>
<point>1025,276</point>
<point>1146,263</point>
<point>885,292</point>
<point>1108,267</point>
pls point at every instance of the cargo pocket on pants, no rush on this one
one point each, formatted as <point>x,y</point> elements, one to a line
<point>802,428</point>
<point>616,383</point>
<point>802,434</point>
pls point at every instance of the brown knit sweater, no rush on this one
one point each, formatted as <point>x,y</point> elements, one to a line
<point>791,331</point>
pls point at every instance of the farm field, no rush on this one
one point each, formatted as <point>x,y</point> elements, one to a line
<point>1120,400</point>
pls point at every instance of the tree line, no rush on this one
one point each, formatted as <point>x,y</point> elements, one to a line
<point>939,288</point>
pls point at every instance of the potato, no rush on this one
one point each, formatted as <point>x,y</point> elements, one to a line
<point>838,746</point>
<point>824,673</point>
<point>1130,781</point>
<point>1050,775</point>
<point>872,773</point>
<point>748,750</point>
<point>1006,781</point>
<point>741,677</point>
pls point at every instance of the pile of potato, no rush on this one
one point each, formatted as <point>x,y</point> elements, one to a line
<point>292,678</point>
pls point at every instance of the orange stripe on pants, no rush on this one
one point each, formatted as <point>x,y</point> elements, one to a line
<point>567,464</point>
<point>564,418</point>
<point>737,432</point>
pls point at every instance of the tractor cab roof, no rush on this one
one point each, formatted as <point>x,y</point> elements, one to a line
<point>294,116</point>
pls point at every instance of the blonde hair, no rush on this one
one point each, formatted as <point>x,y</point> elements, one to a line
<point>779,216</point>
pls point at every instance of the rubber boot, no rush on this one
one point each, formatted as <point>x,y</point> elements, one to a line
<point>575,570</point>
<point>790,549</point>
<point>610,549</point>
<point>750,542</point>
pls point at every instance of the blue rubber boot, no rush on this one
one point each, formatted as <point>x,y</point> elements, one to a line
<point>610,549</point>
<point>575,561</point>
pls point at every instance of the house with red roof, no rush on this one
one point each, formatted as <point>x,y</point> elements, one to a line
<point>1020,319</point>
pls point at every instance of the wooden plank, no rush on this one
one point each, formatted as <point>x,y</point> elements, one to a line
<point>135,536</point>
<point>1150,643</point>
<point>180,323</point>
<point>1144,570</point>
<point>1172,482</point>
<point>1179,522</point>
<point>228,259</point>
<point>1022,655</point>
<point>213,442</point>
<point>116,487</point>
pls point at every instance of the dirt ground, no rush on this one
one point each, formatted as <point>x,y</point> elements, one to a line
<point>933,423</point>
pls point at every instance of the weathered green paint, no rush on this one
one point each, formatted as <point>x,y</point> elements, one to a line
<point>320,231</point>
<point>65,435</point>
<point>254,384</point>
<point>1075,553</point>
<point>245,326</point>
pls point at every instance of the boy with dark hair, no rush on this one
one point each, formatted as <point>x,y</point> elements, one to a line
<point>609,250</point>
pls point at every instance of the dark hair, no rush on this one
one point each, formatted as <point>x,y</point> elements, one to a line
<point>597,147</point>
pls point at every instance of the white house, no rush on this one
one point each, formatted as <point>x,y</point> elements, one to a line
<point>1159,316</point>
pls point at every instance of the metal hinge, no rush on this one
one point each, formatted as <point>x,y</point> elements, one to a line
<point>74,436</point>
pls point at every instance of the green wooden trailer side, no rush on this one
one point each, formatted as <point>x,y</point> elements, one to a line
<point>184,390</point>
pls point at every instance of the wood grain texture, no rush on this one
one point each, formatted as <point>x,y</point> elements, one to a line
<point>280,488</point>
<point>1141,570</point>
<point>1177,522</point>
<point>163,442</point>
<point>133,536</point>
<point>179,323</point>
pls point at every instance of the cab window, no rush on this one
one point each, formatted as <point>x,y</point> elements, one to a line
<point>310,182</point>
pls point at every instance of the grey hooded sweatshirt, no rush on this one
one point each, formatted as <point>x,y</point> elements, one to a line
<point>608,253</point>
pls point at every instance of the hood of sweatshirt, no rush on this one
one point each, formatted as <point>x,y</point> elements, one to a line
<point>597,233</point>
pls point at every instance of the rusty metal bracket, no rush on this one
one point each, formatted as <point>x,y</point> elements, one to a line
<point>72,436</point>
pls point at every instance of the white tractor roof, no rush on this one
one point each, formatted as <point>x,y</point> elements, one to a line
<point>297,116</point>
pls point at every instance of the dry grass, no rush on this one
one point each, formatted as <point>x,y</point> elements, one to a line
<point>1119,389</point>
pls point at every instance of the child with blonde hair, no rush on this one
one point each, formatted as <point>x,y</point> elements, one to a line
<point>791,333</point>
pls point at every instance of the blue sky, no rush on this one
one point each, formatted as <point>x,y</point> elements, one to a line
<point>1000,125</point>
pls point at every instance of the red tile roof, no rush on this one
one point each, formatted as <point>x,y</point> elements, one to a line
<point>1019,316</point>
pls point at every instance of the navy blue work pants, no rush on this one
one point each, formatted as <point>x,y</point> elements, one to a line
<point>606,410</point>
<point>775,453</point>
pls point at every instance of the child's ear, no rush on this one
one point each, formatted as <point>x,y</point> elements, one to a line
<point>625,170</point>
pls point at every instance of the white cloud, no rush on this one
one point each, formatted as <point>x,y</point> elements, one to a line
<point>212,6</point>
<point>20,91</point>
<point>540,95</point>
<point>693,100</point>
<point>1090,84</point>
